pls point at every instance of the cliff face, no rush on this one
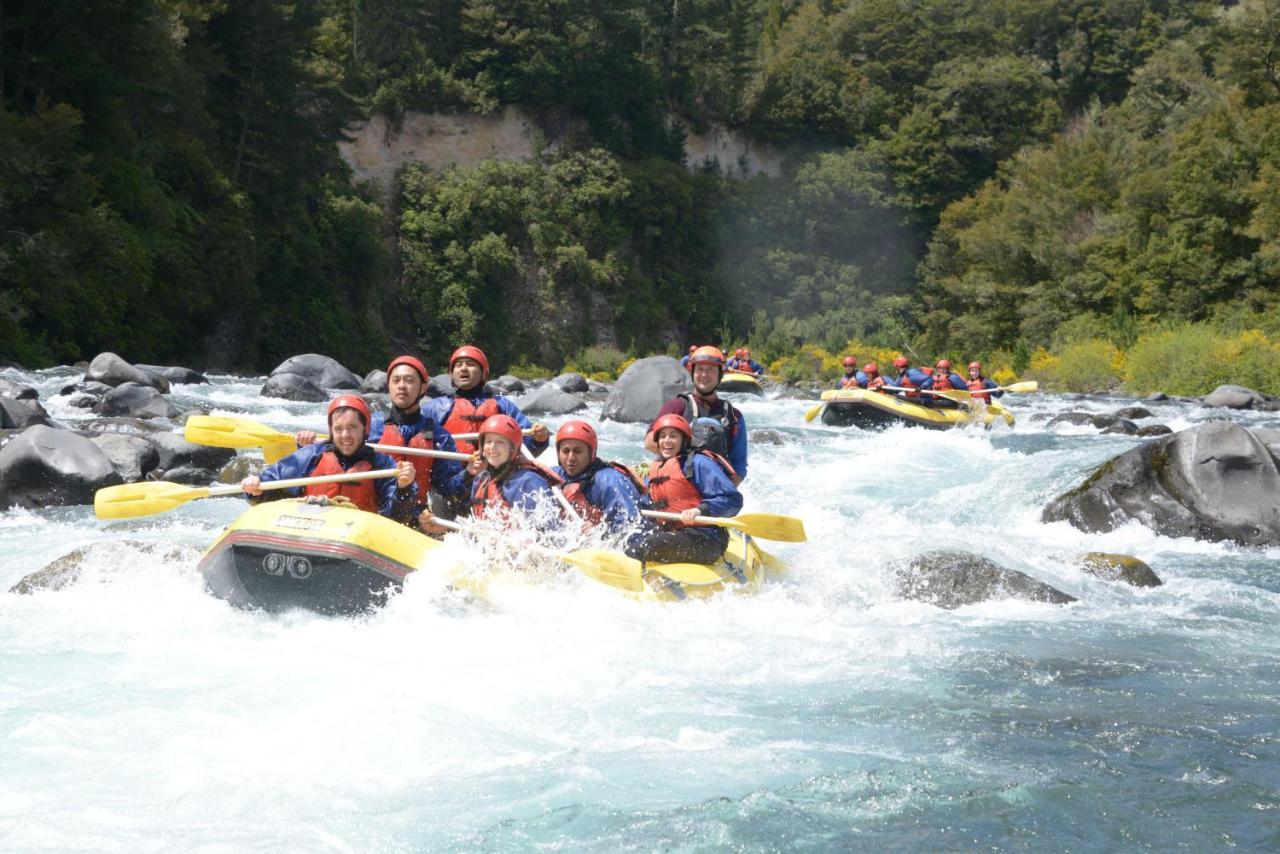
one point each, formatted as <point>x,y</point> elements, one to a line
<point>378,150</point>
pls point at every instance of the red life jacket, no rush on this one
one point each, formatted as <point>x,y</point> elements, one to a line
<point>671,489</point>
<point>362,493</point>
<point>978,387</point>
<point>576,492</point>
<point>422,465</point>
<point>942,382</point>
<point>874,383</point>
<point>850,381</point>
<point>487,491</point>
<point>466,417</point>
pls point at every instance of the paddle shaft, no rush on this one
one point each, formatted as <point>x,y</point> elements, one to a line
<point>421,452</point>
<point>377,474</point>
<point>718,521</point>
<point>472,437</point>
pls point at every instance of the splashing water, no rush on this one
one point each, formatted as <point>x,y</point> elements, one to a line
<point>139,713</point>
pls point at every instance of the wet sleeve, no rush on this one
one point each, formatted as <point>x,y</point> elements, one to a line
<point>298,464</point>
<point>376,428</point>
<point>738,448</point>
<point>719,496</point>
<point>394,502</point>
<point>447,476</point>
<point>617,498</point>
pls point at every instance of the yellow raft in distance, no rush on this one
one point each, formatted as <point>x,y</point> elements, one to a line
<point>873,410</point>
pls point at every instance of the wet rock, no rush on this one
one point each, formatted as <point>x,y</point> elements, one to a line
<point>319,370</point>
<point>1234,397</point>
<point>1158,397</point>
<point>110,369</point>
<point>44,467</point>
<point>549,400</point>
<point>374,382</point>
<point>378,402</point>
<point>1078,419</point>
<point>137,401</point>
<point>572,383</point>
<point>1148,430</point>
<point>511,384</point>
<point>952,579</point>
<point>177,452</point>
<point>1113,567</point>
<point>133,457</point>
<point>17,391</point>
<point>1216,481</point>
<point>594,387</point>
<point>293,387</point>
<point>127,426</point>
<point>21,414</point>
<point>239,468</point>
<point>644,386</point>
<point>190,475</point>
<point>1122,426</point>
<point>183,376</point>
<point>440,385</point>
<point>766,437</point>
<point>66,570</point>
<point>1134,412</point>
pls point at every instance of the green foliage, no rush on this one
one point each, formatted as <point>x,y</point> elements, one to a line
<point>1085,366</point>
<point>1194,359</point>
<point>599,359</point>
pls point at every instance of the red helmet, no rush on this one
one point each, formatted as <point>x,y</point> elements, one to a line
<point>467,351</point>
<point>350,401</point>
<point>943,365</point>
<point>672,420</point>
<point>850,362</point>
<point>975,366</point>
<point>692,347</point>
<point>505,426</point>
<point>580,430</point>
<point>740,352</point>
<point>871,368</point>
<point>703,355</point>
<point>416,364</point>
<point>901,362</point>
<point>746,351</point>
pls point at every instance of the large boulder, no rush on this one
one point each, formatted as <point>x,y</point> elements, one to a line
<point>1234,397</point>
<point>952,579</point>
<point>131,456</point>
<point>17,391</point>
<point>110,369</point>
<point>1215,481</point>
<point>293,387</point>
<point>321,370</point>
<point>176,452</point>
<point>572,383</point>
<point>549,400</point>
<point>44,467</point>
<point>1113,567</point>
<point>644,386</point>
<point>21,414</point>
<point>440,385</point>
<point>509,384</point>
<point>374,382</point>
<point>136,401</point>
<point>184,376</point>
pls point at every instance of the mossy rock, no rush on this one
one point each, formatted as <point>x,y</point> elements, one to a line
<point>1116,567</point>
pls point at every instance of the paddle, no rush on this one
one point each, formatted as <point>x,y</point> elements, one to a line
<point>813,413</point>
<point>157,496</point>
<point>473,437</point>
<point>228,432</point>
<point>765,526</point>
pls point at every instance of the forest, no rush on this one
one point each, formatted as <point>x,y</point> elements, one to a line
<point>1084,189</point>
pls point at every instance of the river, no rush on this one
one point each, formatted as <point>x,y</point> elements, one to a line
<point>139,713</point>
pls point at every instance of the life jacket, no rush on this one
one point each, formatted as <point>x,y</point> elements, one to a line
<point>670,483</point>
<point>942,382</point>
<point>850,381</point>
<point>422,465</point>
<point>874,383</point>
<point>978,388</point>
<point>486,494</point>
<point>466,417</point>
<point>728,416</point>
<point>362,493</point>
<point>576,491</point>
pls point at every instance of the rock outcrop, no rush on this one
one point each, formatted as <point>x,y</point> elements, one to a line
<point>1216,481</point>
<point>110,369</point>
<point>44,467</point>
<point>952,579</point>
<point>135,400</point>
<point>1125,568</point>
<point>644,386</point>
<point>320,370</point>
<point>288,386</point>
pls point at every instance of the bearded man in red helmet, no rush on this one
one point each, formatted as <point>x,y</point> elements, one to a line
<point>472,403</point>
<point>345,451</point>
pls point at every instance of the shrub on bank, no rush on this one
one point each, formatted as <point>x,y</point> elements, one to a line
<point>1194,359</point>
<point>1085,366</point>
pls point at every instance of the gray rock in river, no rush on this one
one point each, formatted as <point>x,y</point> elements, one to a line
<point>1113,567</point>
<point>440,385</point>
<point>1215,481</point>
<point>66,570</point>
<point>1234,397</point>
<point>44,467</point>
<point>177,452</point>
<point>133,457</point>
<point>1133,412</point>
<point>293,387</point>
<point>21,414</point>
<point>110,369</point>
<point>572,383</point>
<point>644,386</point>
<point>374,382</point>
<point>1148,430</point>
<point>507,384</point>
<point>137,401</point>
<point>184,376</point>
<point>321,370</point>
<point>952,579</point>
<point>17,391</point>
<point>549,400</point>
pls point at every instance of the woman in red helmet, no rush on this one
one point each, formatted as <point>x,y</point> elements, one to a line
<point>943,379</point>
<point>689,482</point>
<point>504,481</point>
<point>872,372</point>
<point>977,383</point>
<point>346,451</point>
<point>600,491</point>
<point>472,403</point>
<point>853,378</point>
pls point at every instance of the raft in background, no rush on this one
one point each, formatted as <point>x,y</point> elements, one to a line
<point>737,383</point>
<point>340,561</point>
<point>873,410</point>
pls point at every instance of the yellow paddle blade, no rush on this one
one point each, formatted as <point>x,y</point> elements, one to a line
<point>1025,386</point>
<point>143,499</point>
<point>689,573</point>
<point>220,431</point>
<point>608,567</point>
<point>769,526</point>
<point>276,451</point>
<point>813,413</point>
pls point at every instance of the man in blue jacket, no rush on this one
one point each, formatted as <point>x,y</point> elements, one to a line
<point>472,403</point>
<point>600,492</point>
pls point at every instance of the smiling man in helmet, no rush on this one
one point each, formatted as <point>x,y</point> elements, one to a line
<point>472,402</point>
<point>600,491</point>
<point>706,367</point>
<point>345,451</point>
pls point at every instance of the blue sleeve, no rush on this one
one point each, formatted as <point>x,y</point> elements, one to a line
<point>438,409</point>
<point>447,476</point>
<point>756,367</point>
<point>298,464</point>
<point>738,445</point>
<point>616,496</point>
<point>719,496</point>
<point>392,502</point>
<point>990,383</point>
<point>920,378</point>
<point>376,428</point>
<point>527,491</point>
<point>861,378</point>
<point>508,406</point>
<point>957,382</point>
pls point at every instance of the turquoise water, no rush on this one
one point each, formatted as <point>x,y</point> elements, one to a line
<point>138,713</point>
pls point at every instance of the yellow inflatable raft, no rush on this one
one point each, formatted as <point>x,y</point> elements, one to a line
<point>738,383</point>
<point>873,410</point>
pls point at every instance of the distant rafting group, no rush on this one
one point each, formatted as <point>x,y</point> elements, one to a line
<point>924,384</point>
